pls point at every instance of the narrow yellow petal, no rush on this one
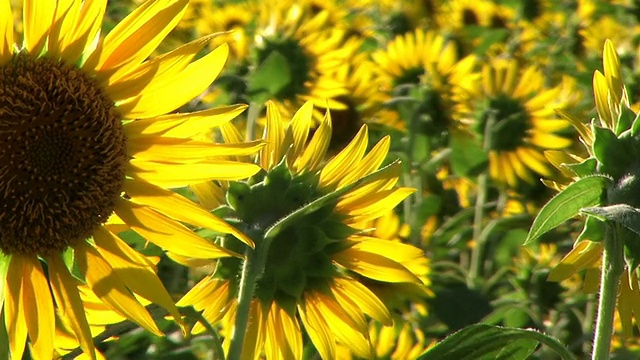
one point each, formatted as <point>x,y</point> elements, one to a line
<point>14,306</point>
<point>583,130</point>
<point>38,308</point>
<point>612,73</point>
<point>343,327</point>
<point>210,195</point>
<point>86,26</point>
<point>108,286</point>
<point>375,266</point>
<point>601,96</point>
<point>274,135</point>
<point>284,339</point>
<point>255,332</point>
<point>134,38</point>
<point>214,302</point>
<point>164,149</point>
<point>166,233</point>
<point>6,32</point>
<point>167,64</point>
<point>365,298</point>
<point>583,255</point>
<point>168,91</point>
<point>65,9</point>
<point>341,164</point>
<point>69,304</point>
<point>36,22</point>
<point>316,150</point>
<point>184,125</point>
<point>181,175</point>
<point>179,208</point>
<point>316,326</point>
<point>549,141</point>
<point>376,204</point>
<point>394,250</point>
<point>298,130</point>
<point>369,163</point>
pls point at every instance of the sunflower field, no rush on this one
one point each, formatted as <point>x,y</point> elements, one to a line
<point>320,179</point>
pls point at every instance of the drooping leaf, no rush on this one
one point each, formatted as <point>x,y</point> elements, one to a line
<point>487,342</point>
<point>593,230</point>
<point>583,193</point>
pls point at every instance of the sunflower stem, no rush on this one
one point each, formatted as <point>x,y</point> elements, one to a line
<point>252,270</point>
<point>477,253</point>
<point>612,269</point>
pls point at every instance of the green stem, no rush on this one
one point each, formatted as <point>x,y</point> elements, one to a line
<point>477,254</point>
<point>252,270</point>
<point>612,269</point>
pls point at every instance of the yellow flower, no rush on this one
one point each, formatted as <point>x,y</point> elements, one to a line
<point>519,110</point>
<point>88,150</point>
<point>313,268</point>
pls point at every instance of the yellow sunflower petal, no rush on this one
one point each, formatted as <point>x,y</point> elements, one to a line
<point>181,175</point>
<point>86,20</point>
<point>215,305</point>
<point>316,326</point>
<point>209,194</point>
<point>369,163</point>
<point>365,298</point>
<point>601,96</point>
<point>612,73</point>
<point>375,205</point>
<point>299,129</point>
<point>274,134</point>
<point>6,32</point>
<point>314,154</point>
<point>284,339</point>
<point>375,266</point>
<point>179,208</point>
<point>36,22</point>
<point>38,308</point>
<point>166,233</point>
<point>583,255</point>
<point>549,141</point>
<point>164,149</point>
<point>168,91</point>
<point>343,327</point>
<point>183,126</point>
<point>343,163</point>
<point>69,303</point>
<point>135,37</point>
<point>104,282</point>
<point>14,306</point>
<point>134,270</point>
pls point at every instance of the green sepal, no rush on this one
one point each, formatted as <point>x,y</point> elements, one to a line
<point>626,119</point>
<point>635,127</point>
<point>584,168</point>
<point>238,195</point>
<point>593,230</point>
<point>631,249</point>
<point>612,153</point>
<point>487,342</point>
<point>293,281</point>
<point>583,193</point>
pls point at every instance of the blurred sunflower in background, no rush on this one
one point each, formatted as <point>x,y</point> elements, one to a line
<point>314,268</point>
<point>87,140</point>
<point>512,111</point>
<point>425,59</point>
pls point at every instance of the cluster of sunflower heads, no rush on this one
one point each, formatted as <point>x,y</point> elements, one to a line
<point>606,183</point>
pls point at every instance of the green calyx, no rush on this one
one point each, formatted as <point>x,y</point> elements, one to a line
<point>297,258</point>
<point>507,120</point>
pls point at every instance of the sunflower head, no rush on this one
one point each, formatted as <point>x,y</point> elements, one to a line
<point>306,215</point>
<point>510,110</point>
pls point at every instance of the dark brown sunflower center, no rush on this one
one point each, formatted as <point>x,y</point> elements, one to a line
<point>62,156</point>
<point>509,122</point>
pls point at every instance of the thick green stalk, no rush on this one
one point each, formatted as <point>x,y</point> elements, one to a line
<point>252,270</point>
<point>612,269</point>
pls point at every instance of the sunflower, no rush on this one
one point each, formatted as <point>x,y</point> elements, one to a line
<point>511,110</point>
<point>87,148</point>
<point>457,15</point>
<point>611,102</point>
<point>428,59</point>
<point>312,269</point>
<point>314,51</point>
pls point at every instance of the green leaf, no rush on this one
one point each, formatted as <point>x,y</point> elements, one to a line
<point>625,120</point>
<point>270,77</point>
<point>481,341</point>
<point>593,230</point>
<point>612,153</point>
<point>467,155</point>
<point>566,204</point>
<point>585,168</point>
